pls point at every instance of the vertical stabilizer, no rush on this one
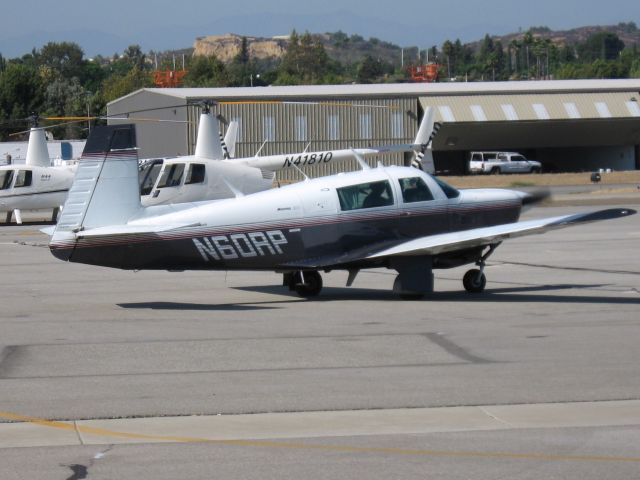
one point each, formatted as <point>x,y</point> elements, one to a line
<point>231,138</point>
<point>105,189</point>
<point>208,143</point>
<point>427,131</point>
<point>426,127</point>
<point>37,151</point>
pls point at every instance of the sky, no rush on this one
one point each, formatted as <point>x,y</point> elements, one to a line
<point>110,26</point>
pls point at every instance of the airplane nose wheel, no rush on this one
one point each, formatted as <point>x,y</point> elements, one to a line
<point>306,284</point>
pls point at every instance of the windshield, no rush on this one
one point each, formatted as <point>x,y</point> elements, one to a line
<point>448,190</point>
<point>148,175</point>
<point>5,179</point>
<point>365,195</point>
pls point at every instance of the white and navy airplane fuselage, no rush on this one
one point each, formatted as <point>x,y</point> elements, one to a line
<point>395,217</point>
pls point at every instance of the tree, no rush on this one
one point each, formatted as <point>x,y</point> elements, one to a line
<point>134,56</point>
<point>241,70</point>
<point>305,61</point>
<point>20,91</point>
<point>65,58</point>
<point>65,98</point>
<point>369,70</point>
<point>119,86</point>
<point>206,72</point>
<point>449,51</point>
<point>601,45</point>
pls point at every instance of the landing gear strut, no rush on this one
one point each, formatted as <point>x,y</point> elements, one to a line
<point>304,283</point>
<point>475,280</point>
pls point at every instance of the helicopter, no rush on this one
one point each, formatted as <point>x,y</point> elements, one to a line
<point>36,184</point>
<point>213,172</point>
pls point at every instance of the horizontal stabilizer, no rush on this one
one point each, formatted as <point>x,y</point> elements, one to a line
<point>132,229</point>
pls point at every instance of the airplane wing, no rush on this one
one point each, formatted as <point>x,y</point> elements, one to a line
<point>448,242</point>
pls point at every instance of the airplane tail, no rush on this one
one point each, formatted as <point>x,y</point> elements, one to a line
<point>208,143</point>
<point>230,139</point>
<point>37,151</point>
<point>105,189</point>
<point>423,158</point>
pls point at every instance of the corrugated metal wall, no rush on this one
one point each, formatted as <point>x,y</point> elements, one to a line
<point>328,125</point>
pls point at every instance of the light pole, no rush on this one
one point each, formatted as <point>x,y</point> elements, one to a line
<point>251,78</point>
<point>88,111</point>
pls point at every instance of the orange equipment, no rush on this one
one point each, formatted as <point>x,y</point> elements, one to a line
<point>424,73</point>
<point>168,78</point>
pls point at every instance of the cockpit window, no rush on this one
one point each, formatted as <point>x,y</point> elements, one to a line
<point>172,175</point>
<point>23,179</point>
<point>195,173</point>
<point>365,195</point>
<point>6,178</point>
<point>414,190</point>
<point>448,190</point>
<point>148,175</point>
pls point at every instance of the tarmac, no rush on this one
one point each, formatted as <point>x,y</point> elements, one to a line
<point>113,374</point>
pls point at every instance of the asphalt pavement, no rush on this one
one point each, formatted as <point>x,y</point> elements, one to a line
<point>115,374</point>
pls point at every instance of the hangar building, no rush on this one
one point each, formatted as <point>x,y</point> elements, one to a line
<point>568,125</point>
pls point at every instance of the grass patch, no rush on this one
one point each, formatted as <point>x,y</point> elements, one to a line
<point>522,184</point>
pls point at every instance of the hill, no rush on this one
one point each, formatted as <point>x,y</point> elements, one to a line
<point>339,46</point>
<point>629,33</point>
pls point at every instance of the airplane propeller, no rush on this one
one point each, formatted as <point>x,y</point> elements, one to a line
<point>537,196</point>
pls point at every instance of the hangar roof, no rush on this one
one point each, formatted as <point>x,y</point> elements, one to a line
<point>403,89</point>
<point>548,106</point>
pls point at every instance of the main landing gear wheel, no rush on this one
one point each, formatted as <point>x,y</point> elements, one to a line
<point>308,284</point>
<point>474,281</point>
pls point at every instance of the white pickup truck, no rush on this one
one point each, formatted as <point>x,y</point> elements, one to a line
<point>501,162</point>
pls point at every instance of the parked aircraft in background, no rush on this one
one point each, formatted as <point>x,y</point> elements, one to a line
<point>35,185</point>
<point>212,173</point>
<point>400,218</point>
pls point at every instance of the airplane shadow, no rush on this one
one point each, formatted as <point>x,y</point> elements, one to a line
<point>225,307</point>
<point>519,294</point>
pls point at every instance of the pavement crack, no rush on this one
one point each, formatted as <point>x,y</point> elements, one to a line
<point>497,419</point>
<point>75,429</point>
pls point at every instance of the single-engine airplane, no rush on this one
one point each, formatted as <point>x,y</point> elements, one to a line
<point>35,185</point>
<point>395,217</point>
